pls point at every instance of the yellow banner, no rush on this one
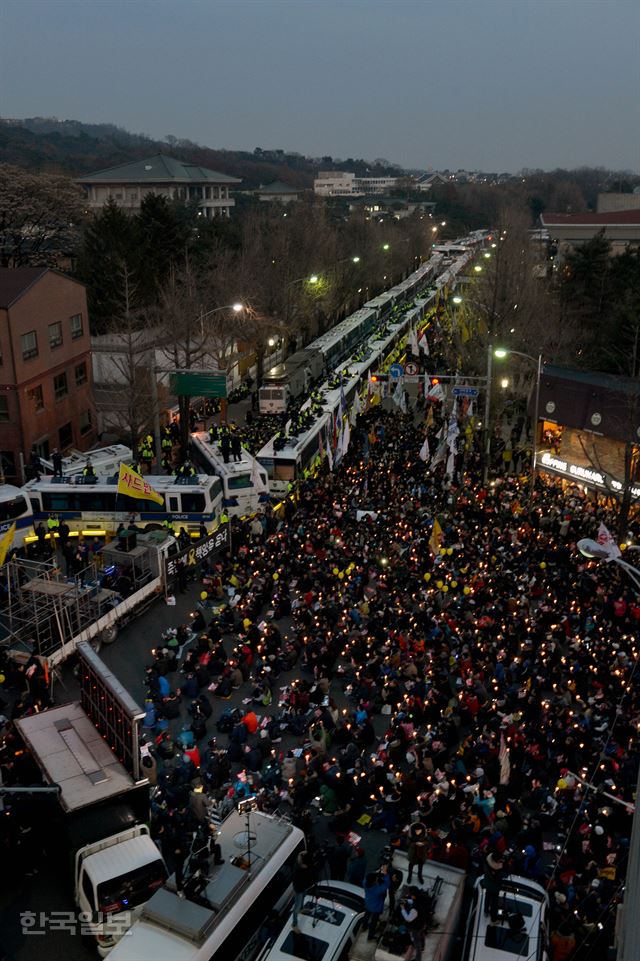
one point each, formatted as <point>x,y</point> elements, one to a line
<point>132,483</point>
<point>436,537</point>
<point>5,543</point>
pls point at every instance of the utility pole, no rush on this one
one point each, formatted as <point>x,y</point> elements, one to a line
<point>487,412</point>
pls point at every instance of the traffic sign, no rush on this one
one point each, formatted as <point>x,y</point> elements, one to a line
<point>396,370</point>
<point>410,368</point>
<point>465,391</point>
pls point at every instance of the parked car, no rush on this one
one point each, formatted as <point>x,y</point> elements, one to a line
<point>521,930</point>
<point>328,924</point>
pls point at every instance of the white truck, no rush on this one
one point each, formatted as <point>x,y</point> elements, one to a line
<point>98,820</point>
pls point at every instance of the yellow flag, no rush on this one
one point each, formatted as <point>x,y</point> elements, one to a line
<point>132,483</point>
<point>5,543</point>
<point>436,537</point>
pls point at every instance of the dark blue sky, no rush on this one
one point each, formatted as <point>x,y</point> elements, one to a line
<point>491,84</point>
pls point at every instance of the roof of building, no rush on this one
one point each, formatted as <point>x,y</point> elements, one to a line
<point>15,281</point>
<point>588,218</point>
<point>278,187</point>
<point>158,169</point>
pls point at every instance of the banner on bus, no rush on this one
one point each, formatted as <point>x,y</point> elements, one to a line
<point>209,546</point>
<point>132,483</point>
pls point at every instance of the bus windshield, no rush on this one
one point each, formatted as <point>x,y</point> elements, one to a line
<point>9,510</point>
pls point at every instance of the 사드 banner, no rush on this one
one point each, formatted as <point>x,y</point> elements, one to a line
<point>132,483</point>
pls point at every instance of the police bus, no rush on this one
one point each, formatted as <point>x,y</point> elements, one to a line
<point>93,506</point>
<point>245,486</point>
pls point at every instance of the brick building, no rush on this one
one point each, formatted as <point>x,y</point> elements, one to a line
<point>45,366</point>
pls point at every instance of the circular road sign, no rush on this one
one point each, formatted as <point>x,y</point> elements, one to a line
<point>411,369</point>
<point>396,370</point>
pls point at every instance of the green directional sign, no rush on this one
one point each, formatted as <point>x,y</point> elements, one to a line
<point>191,383</point>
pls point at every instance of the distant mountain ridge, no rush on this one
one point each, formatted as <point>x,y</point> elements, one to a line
<point>72,147</point>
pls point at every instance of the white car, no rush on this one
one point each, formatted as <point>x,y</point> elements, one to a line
<point>521,931</point>
<point>328,924</point>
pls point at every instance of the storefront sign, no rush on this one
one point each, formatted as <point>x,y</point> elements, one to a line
<point>584,475</point>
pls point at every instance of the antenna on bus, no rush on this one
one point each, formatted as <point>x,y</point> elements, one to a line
<point>246,806</point>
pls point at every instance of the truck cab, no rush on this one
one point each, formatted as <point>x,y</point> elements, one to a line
<point>98,820</point>
<point>114,879</point>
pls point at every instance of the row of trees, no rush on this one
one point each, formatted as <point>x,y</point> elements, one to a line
<point>160,278</point>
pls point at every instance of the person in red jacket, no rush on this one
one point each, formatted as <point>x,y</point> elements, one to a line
<point>250,721</point>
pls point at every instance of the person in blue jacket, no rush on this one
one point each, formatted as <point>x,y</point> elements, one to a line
<point>376,886</point>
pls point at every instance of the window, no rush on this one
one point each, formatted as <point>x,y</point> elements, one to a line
<point>4,407</point>
<point>65,435</point>
<point>87,888</point>
<point>76,326</point>
<point>193,503</point>
<point>131,889</point>
<point>60,388</point>
<point>7,463</point>
<point>16,507</point>
<point>81,374</point>
<point>55,335</point>
<point>85,422</point>
<point>29,345</point>
<point>238,482</point>
<point>36,397</point>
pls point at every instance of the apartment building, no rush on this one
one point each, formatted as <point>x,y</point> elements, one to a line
<point>45,366</point>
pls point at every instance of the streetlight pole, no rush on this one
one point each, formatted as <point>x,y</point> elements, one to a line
<point>629,939</point>
<point>502,352</point>
<point>487,413</point>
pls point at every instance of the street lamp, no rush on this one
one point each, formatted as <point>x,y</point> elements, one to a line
<point>501,353</point>
<point>629,937</point>
<point>236,308</point>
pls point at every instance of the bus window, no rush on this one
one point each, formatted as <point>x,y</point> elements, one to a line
<point>59,501</point>
<point>192,503</point>
<point>238,482</point>
<point>134,505</point>
<point>172,503</point>
<point>96,501</point>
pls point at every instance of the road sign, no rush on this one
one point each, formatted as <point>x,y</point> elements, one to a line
<point>396,370</point>
<point>465,391</point>
<point>411,369</point>
<point>198,384</point>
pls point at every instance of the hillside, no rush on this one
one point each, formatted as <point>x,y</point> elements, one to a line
<point>70,147</point>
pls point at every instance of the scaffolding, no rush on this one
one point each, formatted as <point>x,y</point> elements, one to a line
<point>42,609</point>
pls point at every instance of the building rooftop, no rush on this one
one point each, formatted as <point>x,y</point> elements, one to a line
<point>588,218</point>
<point>15,281</point>
<point>158,169</point>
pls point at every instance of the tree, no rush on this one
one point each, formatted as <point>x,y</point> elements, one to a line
<point>108,250</point>
<point>40,218</point>
<point>125,356</point>
<point>162,231</point>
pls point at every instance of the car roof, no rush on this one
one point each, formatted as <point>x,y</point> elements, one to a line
<point>497,942</point>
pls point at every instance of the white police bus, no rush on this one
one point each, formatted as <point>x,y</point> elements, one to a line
<point>245,486</point>
<point>93,507</point>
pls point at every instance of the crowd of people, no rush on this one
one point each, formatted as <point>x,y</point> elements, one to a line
<point>423,655</point>
<point>457,676</point>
